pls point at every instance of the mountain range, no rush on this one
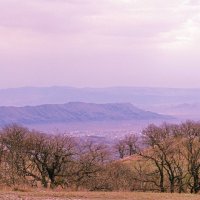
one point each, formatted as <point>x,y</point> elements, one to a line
<point>60,95</point>
<point>75,112</point>
<point>181,103</point>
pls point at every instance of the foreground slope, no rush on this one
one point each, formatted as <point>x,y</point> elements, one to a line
<point>61,195</point>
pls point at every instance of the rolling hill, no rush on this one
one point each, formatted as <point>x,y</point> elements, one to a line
<point>160,100</point>
<point>75,112</point>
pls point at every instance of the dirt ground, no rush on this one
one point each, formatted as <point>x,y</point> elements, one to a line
<point>57,195</point>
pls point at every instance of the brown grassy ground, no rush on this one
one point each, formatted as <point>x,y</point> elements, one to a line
<point>49,195</point>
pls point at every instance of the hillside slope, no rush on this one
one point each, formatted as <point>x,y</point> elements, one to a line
<point>75,112</point>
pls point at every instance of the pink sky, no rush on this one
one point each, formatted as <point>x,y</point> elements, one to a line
<point>100,43</point>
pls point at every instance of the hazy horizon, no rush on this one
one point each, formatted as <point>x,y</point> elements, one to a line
<point>98,87</point>
<point>100,43</point>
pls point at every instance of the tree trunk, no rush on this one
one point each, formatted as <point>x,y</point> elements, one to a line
<point>172,186</point>
<point>44,182</point>
<point>196,183</point>
<point>162,188</point>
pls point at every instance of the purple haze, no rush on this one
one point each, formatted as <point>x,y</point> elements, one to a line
<point>99,43</point>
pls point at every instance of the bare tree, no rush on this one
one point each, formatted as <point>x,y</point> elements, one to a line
<point>131,142</point>
<point>49,157</point>
<point>127,146</point>
<point>120,146</point>
<point>191,142</point>
<point>167,160</point>
<point>90,162</point>
<point>13,143</point>
<point>152,137</point>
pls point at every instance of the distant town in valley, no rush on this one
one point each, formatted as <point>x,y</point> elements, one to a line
<point>97,111</point>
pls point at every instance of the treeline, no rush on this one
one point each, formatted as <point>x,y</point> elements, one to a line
<point>163,158</point>
<point>167,157</point>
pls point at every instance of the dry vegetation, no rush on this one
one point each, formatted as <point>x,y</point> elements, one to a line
<point>164,159</point>
<point>59,195</point>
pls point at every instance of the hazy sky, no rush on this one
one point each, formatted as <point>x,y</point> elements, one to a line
<point>100,43</point>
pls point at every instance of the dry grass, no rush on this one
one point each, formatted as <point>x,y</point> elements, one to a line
<point>60,195</point>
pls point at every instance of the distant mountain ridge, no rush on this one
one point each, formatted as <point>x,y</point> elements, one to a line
<point>75,112</point>
<point>60,95</point>
<point>158,100</point>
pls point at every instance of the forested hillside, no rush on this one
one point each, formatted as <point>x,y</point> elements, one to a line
<point>163,158</point>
